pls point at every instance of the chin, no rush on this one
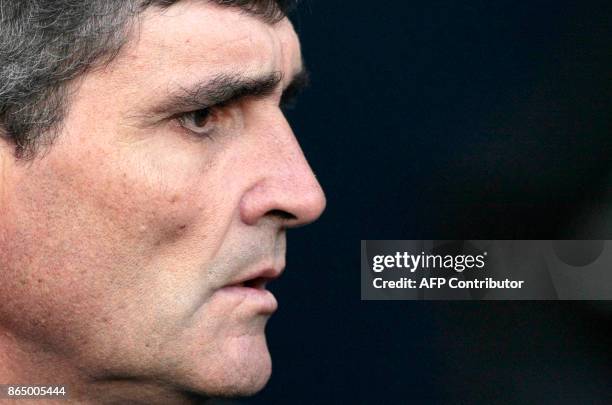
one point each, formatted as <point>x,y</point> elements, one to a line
<point>242,368</point>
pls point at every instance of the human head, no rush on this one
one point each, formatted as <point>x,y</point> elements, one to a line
<point>145,192</point>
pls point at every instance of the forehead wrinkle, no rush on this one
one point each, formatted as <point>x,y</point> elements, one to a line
<point>160,56</point>
<point>248,52</point>
<point>202,29</point>
<point>231,56</point>
<point>200,33</point>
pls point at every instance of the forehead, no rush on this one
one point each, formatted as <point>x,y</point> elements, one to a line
<point>199,37</point>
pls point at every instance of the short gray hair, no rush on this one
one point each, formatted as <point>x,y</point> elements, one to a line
<point>46,44</point>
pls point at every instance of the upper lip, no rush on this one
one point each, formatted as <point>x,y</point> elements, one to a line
<point>257,279</point>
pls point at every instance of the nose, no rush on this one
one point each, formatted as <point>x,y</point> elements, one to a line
<point>286,189</point>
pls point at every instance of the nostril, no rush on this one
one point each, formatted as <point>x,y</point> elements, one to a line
<point>281,214</point>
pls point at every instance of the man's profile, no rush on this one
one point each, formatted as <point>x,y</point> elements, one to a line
<point>147,178</point>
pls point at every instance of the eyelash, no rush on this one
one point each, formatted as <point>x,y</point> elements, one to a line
<point>287,103</point>
<point>209,116</point>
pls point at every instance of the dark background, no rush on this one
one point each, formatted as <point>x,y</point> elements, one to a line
<point>441,120</point>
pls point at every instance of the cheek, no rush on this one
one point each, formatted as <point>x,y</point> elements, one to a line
<point>149,204</point>
<point>112,215</point>
<point>107,229</point>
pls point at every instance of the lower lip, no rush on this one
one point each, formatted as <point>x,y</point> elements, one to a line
<point>263,299</point>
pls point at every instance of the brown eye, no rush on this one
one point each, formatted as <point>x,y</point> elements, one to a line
<point>198,121</point>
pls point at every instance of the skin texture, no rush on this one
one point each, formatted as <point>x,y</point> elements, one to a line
<point>115,242</point>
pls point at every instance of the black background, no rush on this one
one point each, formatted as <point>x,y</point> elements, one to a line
<point>442,120</point>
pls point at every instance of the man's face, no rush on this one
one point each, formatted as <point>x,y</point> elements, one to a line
<point>119,244</point>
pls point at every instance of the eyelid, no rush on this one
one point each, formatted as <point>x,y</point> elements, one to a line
<point>181,119</point>
<point>287,101</point>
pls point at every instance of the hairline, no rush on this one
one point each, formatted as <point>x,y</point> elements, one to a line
<point>271,17</point>
<point>38,136</point>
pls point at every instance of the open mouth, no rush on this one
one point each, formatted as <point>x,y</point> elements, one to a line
<point>254,292</point>
<point>258,283</point>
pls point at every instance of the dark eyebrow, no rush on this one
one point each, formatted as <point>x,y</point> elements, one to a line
<point>225,89</point>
